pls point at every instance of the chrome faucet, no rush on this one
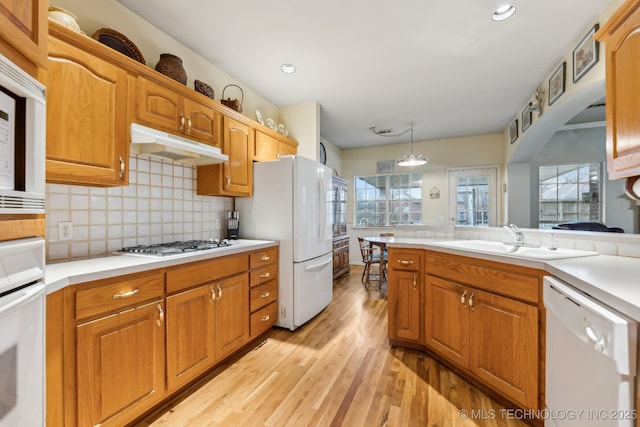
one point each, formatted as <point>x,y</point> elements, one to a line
<point>515,233</point>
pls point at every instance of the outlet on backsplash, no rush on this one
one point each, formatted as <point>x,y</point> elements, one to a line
<point>65,230</point>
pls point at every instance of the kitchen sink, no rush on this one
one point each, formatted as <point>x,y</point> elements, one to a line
<point>513,250</point>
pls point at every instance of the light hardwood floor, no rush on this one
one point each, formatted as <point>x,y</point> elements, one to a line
<point>337,370</point>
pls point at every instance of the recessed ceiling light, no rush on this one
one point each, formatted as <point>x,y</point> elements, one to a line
<point>503,12</point>
<point>288,68</point>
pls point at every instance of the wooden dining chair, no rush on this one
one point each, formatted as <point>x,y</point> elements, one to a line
<point>370,257</point>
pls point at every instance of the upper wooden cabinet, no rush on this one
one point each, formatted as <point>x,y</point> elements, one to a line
<point>87,141</point>
<point>176,112</point>
<point>23,26</point>
<point>621,35</point>
<point>272,146</point>
<point>235,176</point>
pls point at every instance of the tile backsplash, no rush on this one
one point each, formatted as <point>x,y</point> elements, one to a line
<point>159,205</point>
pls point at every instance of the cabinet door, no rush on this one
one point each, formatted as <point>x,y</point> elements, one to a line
<point>504,346</point>
<point>231,314</point>
<point>287,149</point>
<point>203,123</point>
<point>159,107</point>
<point>120,365</point>
<point>23,24</point>
<point>447,320</point>
<point>87,141</point>
<point>190,343</point>
<point>404,305</point>
<point>622,41</point>
<point>265,147</point>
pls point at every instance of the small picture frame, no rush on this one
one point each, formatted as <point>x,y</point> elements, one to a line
<point>556,84</point>
<point>527,116</point>
<point>585,55</point>
<point>386,166</point>
<point>513,131</point>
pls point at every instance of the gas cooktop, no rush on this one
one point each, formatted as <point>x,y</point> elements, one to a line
<point>174,248</point>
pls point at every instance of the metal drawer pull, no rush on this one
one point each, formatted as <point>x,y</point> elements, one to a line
<point>160,316</point>
<point>265,318</point>
<point>265,258</point>
<point>219,292</point>
<point>463,298</point>
<point>404,262</point>
<point>213,294</point>
<point>264,275</point>
<point>265,295</point>
<point>126,294</point>
<point>471,301</point>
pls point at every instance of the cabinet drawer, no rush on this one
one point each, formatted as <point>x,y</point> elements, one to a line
<point>263,319</point>
<point>115,295</point>
<point>263,295</point>
<point>199,273</point>
<point>403,259</point>
<point>264,274</point>
<point>264,257</point>
<point>341,243</point>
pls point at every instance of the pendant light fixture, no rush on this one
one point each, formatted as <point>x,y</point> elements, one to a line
<point>412,159</point>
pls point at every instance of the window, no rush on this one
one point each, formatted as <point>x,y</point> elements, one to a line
<point>569,192</point>
<point>473,196</point>
<point>383,200</point>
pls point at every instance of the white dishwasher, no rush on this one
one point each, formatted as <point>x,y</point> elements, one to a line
<point>590,361</point>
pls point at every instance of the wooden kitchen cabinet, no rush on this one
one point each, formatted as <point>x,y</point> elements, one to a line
<point>621,35</point>
<point>485,318</point>
<point>270,145</point>
<point>120,365</point>
<point>235,176</point>
<point>87,141</point>
<point>190,335</point>
<point>23,27</point>
<point>405,296</point>
<point>163,106</point>
<point>264,290</point>
<point>340,256</point>
<point>231,314</point>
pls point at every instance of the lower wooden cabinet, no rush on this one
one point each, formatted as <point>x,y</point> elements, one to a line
<point>120,365</point>
<point>340,256</point>
<point>190,335</point>
<point>231,314</point>
<point>264,290</point>
<point>404,295</point>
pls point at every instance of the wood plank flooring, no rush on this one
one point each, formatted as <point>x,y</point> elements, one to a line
<point>337,370</point>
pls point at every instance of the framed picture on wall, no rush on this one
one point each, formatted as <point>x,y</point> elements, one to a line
<point>527,116</point>
<point>585,55</point>
<point>513,131</point>
<point>386,166</point>
<point>556,84</point>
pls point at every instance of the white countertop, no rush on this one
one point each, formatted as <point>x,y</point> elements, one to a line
<point>613,280</point>
<point>59,275</point>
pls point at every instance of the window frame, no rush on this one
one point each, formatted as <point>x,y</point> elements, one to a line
<point>388,201</point>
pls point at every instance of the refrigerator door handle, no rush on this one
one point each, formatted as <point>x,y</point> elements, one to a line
<point>321,209</point>
<point>319,266</point>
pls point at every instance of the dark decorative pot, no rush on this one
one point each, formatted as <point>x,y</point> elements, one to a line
<point>171,66</point>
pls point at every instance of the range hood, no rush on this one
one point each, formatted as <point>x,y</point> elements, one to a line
<point>145,140</point>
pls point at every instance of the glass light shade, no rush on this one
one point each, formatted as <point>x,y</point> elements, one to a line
<point>412,160</point>
<point>503,12</point>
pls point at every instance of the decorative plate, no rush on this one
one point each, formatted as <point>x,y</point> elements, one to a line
<point>271,124</point>
<point>259,117</point>
<point>118,42</point>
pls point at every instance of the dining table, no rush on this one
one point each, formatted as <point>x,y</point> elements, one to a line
<point>381,242</point>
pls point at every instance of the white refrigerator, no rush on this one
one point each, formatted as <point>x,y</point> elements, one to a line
<point>290,204</point>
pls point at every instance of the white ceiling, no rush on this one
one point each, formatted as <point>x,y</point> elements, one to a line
<point>442,65</point>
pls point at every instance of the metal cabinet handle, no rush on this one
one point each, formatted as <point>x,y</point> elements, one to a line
<point>219,292</point>
<point>265,258</point>
<point>213,294</point>
<point>160,315</point>
<point>126,294</point>
<point>404,262</point>
<point>265,295</point>
<point>463,298</point>
<point>188,125</point>
<point>415,282</point>
<point>471,301</point>
<point>181,121</point>
<point>123,167</point>
<point>265,275</point>
<point>265,318</point>
<point>228,184</point>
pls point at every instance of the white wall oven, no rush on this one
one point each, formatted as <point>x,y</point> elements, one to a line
<point>22,310</point>
<point>22,141</point>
